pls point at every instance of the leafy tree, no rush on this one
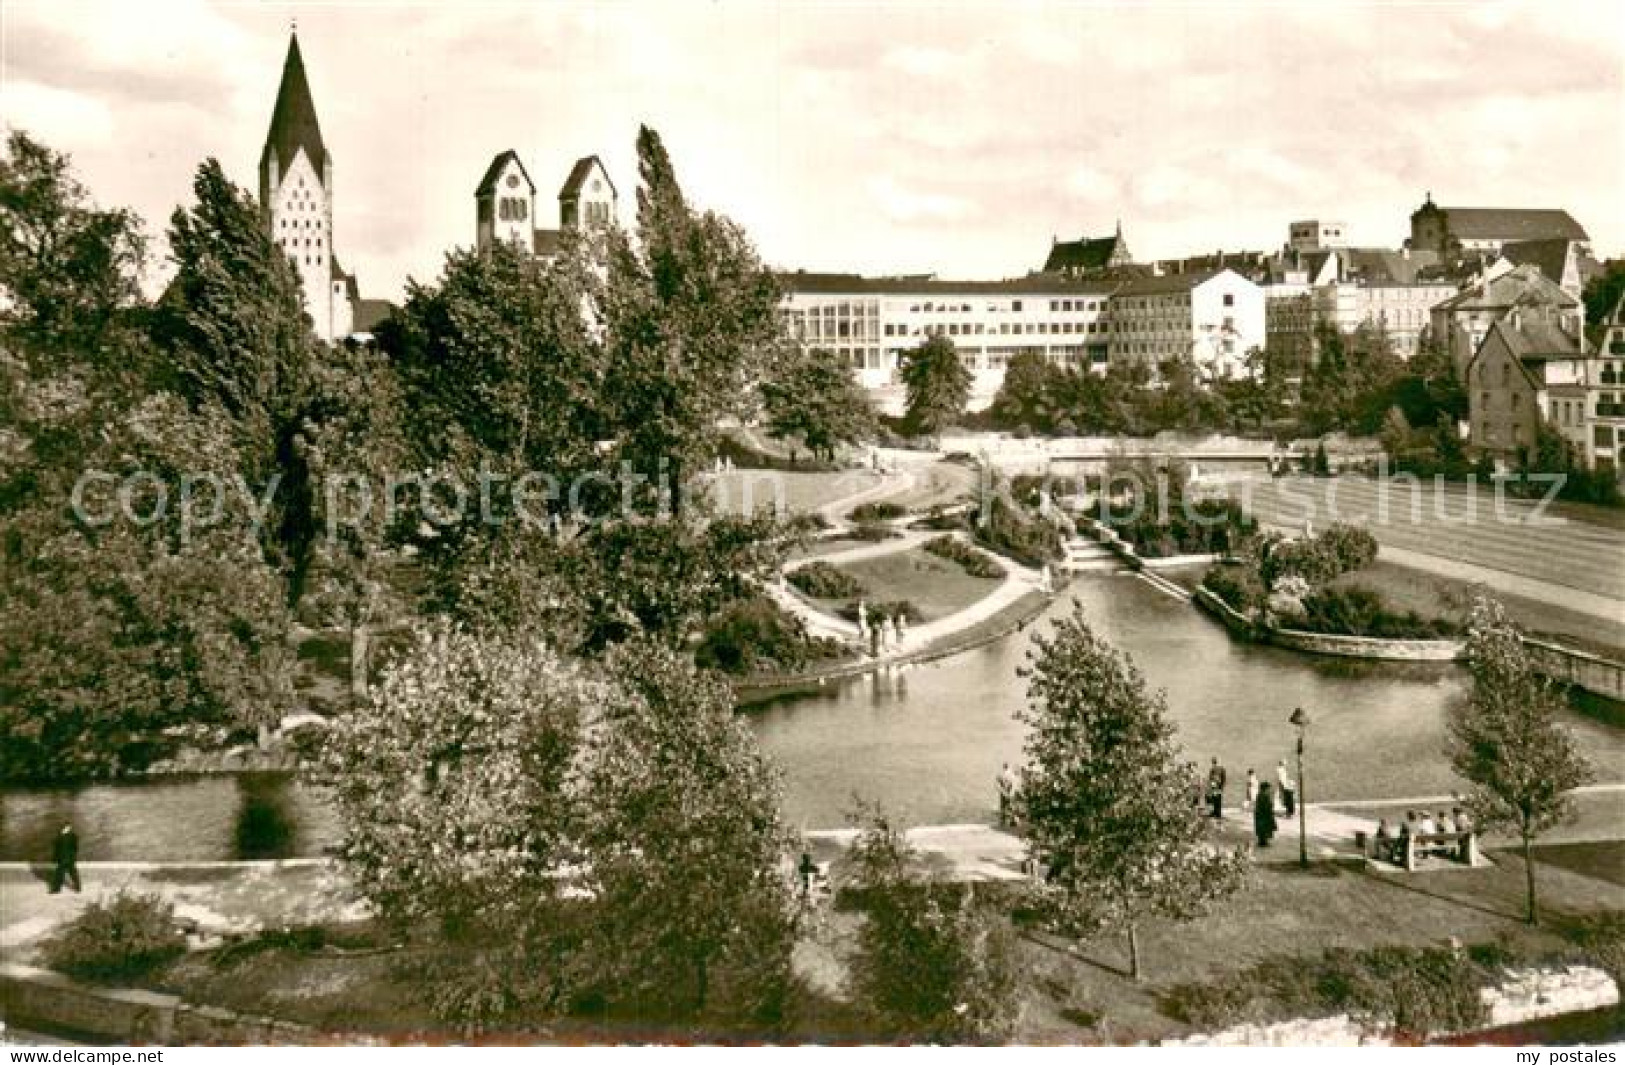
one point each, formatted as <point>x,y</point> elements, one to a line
<point>1183,402</point>
<point>686,852</point>
<point>813,395</point>
<point>689,315</point>
<point>1506,740</point>
<point>68,270</point>
<point>232,320</point>
<point>1105,797</point>
<point>452,783</point>
<point>931,966</point>
<point>120,639</point>
<point>1348,388</point>
<point>1029,394</point>
<point>938,384</point>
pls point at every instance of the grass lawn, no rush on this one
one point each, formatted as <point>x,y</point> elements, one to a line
<point>936,586</point>
<point>800,492</point>
<point>820,548</point>
<point>1435,596</point>
<point>1284,911</point>
<point>941,483</point>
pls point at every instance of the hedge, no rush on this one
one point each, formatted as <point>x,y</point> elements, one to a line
<point>821,580</point>
<point>972,561</point>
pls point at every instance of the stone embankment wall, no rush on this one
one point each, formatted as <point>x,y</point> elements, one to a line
<point>1579,668</point>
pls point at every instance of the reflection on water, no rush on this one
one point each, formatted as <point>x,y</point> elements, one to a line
<point>926,741</point>
<point>931,753</point>
<point>248,815</point>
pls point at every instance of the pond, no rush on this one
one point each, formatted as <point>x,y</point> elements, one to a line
<point>925,741</point>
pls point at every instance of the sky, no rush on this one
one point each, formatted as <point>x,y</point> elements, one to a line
<point>950,138</point>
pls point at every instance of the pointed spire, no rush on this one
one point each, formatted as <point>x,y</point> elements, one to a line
<point>293,120</point>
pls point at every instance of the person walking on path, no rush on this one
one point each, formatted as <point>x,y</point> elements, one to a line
<point>1215,790</point>
<point>1289,788</point>
<point>1264,815</point>
<point>1007,795</point>
<point>1252,790</point>
<point>65,859</point>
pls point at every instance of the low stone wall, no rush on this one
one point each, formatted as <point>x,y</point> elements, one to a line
<point>1322,643</point>
<point>1582,669</point>
<point>1526,995</point>
<point>46,999</point>
<point>1325,643</point>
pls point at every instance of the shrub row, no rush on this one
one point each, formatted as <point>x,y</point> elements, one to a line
<point>821,580</point>
<point>1420,991</point>
<point>872,532</point>
<point>864,513</point>
<point>1356,610</point>
<point>972,561</point>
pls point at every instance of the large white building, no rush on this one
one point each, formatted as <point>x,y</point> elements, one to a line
<point>1216,318</point>
<point>871,322</point>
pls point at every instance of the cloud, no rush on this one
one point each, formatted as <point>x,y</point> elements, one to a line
<point>948,137</point>
<point>907,205</point>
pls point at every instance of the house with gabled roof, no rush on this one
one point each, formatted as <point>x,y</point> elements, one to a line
<point>1088,256</point>
<point>1524,360</point>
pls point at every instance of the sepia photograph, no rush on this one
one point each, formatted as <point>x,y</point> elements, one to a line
<point>811,523</point>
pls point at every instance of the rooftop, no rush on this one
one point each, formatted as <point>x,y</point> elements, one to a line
<point>1513,223</point>
<point>293,119</point>
<point>803,282</point>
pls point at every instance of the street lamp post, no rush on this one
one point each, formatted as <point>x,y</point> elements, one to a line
<point>1300,721</point>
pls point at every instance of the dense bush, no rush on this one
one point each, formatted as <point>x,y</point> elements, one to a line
<point>872,531</point>
<point>1420,991</point>
<point>1192,527</point>
<point>869,512</point>
<point>1030,540</point>
<point>821,580</point>
<point>1340,549</point>
<point>755,636</point>
<point>876,610</point>
<point>940,519</point>
<point>123,937</point>
<point>807,521</point>
<point>1356,610</point>
<point>970,560</point>
<point>1238,586</point>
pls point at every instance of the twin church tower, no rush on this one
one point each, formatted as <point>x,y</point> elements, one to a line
<point>296,197</point>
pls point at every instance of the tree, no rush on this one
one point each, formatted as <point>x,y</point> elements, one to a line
<point>1028,395</point>
<point>452,783</point>
<point>232,321</point>
<point>813,395</point>
<point>686,852</point>
<point>1349,386</point>
<point>1105,798</point>
<point>689,316</point>
<point>1505,738</point>
<point>68,270</point>
<point>938,384</point>
<point>931,965</point>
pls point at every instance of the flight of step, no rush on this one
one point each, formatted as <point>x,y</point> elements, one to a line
<point>1085,554</point>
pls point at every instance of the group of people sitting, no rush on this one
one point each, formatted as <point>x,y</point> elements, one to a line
<point>1390,843</point>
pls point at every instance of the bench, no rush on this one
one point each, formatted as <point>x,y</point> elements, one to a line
<point>1461,846</point>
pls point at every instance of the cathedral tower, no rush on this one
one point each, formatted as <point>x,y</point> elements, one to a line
<point>296,194</point>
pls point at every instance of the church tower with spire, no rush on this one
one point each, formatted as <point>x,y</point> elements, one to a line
<point>296,196</point>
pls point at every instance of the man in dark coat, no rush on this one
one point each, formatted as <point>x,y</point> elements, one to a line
<point>1215,790</point>
<point>65,859</point>
<point>1264,815</point>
